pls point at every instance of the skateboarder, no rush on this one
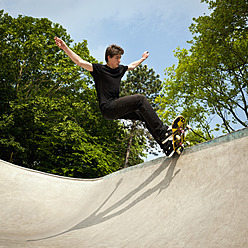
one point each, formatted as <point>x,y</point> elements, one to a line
<point>107,82</point>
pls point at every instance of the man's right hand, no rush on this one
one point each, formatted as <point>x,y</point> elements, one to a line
<point>74,57</point>
<point>60,43</point>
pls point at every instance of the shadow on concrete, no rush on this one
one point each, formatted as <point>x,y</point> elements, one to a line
<point>99,216</point>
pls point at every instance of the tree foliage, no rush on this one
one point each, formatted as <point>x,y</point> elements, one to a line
<point>211,79</point>
<point>49,115</point>
<point>144,81</point>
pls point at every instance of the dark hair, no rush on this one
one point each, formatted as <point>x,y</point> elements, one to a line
<point>113,50</point>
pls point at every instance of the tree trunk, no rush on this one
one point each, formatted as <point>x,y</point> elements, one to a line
<point>129,144</point>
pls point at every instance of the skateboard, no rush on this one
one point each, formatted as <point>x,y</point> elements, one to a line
<point>178,134</point>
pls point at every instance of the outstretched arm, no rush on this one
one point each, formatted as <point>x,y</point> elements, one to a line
<point>74,57</point>
<point>134,64</point>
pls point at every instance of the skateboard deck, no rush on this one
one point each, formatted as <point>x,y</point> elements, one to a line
<point>178,134</point>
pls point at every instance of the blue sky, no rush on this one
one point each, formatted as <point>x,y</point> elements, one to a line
<point>157,26</point>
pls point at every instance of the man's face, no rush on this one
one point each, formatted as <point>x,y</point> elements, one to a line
<point>114,61</point>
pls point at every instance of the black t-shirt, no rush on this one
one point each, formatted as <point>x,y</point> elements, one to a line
<point>107,82</point>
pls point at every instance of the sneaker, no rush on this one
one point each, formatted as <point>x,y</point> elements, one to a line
<point>166,135</point>
<point>168,148</point>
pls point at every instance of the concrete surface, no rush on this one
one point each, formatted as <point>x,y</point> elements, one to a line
<point>199,199</point>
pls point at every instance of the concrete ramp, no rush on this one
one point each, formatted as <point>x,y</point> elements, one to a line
<point>199,199</point>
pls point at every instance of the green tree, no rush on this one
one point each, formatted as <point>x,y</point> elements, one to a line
<point>49,117</point>
<point>211,78</point>
<point>142,81</point>
<point>53,136</point>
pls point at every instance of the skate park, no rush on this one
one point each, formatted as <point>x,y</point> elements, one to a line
<point>198,199</point>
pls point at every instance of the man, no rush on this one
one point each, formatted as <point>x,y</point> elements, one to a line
<point>107,81</point>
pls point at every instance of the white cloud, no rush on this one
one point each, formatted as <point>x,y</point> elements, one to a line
<point>98,52</point>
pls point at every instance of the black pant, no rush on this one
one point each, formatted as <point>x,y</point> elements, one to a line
<point>135,107</point>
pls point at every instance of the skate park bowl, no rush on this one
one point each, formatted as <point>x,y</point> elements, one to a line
<point>198,199</point>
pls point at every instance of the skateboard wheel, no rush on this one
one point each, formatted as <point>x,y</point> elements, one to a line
<point>178,137</point>
<point>178,152</point>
